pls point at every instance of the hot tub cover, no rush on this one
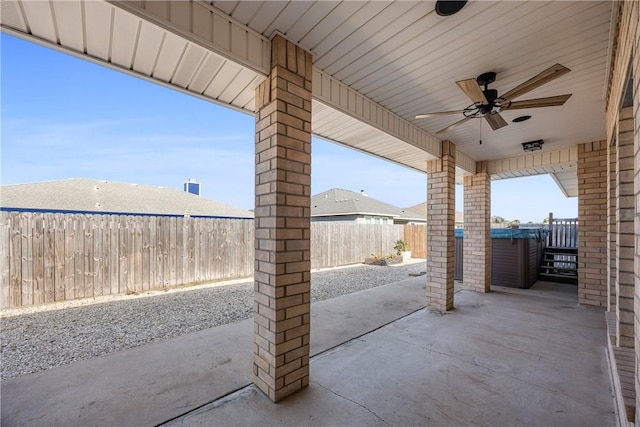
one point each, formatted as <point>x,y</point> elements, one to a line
<point>513,233</point>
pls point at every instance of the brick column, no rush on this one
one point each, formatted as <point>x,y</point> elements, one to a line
<point>282,223</point>
<point>612,271</point>
<point>636,186</point>
<point>477,230</point>
<point>441,175</point>
<point>625,216</point>
<point>592,217</point>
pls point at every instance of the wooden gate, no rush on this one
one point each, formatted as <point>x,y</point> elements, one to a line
<point>415,235</point>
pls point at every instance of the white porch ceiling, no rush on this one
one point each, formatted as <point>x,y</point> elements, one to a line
<point>400,56</point>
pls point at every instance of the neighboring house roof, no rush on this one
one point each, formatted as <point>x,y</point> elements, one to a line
<point>421,208</point>
<point>89,195</point>
<point>337,202</point>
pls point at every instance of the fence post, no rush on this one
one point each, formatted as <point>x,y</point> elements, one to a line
<point>550,237</point>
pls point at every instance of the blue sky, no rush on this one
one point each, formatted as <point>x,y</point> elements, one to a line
<point>63,117</point>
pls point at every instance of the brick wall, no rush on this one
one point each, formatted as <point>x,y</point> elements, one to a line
<point>282,223</point>
<point>592,216</point>
<point>625,215</point>
<point>635,17</point>
<point>626,59</point>
<point>441,175</point>
<point>612,269</point>
<point>477,230</point>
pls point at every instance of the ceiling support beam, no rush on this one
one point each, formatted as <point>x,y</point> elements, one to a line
<point>341,97</point>
<point>537,163</point>
<point>465,166</point>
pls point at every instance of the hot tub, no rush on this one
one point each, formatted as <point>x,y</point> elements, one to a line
<point>516,256</point>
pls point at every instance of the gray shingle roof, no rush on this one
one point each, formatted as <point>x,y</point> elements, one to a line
<point>337,202</point>
<point>115,197</point>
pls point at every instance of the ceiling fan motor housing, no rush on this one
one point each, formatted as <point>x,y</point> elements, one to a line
<point>487,78</point>
<point>491,95</point>
<point>488,105</point>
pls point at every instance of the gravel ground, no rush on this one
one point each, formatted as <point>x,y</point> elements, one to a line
<point>34,342</point>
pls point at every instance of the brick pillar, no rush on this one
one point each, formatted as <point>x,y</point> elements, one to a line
<point>282,223</point>
<point>592,217</point>
<point>612,271</point>
<point>441,175</point>
<point>636,181</point>
<point>625,216</point>
<point>477,230</point>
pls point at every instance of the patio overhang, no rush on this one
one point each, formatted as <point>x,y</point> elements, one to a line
<point>361,72</point>
<point>375,67</point>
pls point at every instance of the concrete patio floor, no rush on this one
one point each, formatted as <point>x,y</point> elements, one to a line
<point>510,357</point>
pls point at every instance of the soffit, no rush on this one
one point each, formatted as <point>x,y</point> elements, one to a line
<point>111,36</point>
<point>406,58</point>
<point>400,55</point>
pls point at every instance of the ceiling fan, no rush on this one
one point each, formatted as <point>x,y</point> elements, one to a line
<point>487,103</point>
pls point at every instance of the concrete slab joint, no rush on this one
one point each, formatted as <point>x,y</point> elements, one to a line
<point>441,174</point>
<point>282,223</point>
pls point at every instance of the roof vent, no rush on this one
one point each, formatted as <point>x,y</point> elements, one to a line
<point>362,193</point>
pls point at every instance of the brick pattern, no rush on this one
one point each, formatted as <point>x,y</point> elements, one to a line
<point>441,174</point>
<point>282,223</point>
<point>626,53</point>
<point>612,270</point>
<point>635,18</point>
<point>633,10</point>
<point>592,215</point>
<point>477,230</point>
<point>625,234</point>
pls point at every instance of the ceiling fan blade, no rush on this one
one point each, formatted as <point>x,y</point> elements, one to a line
<point>472,89</point>
<point>456,124</point>
<point>550,101</point>
<point>496,121</point>
<point>538,80</point>
<point>440,113</point>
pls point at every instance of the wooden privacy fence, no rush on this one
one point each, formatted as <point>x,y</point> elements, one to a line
<point>415,235</point>
<point>47,257</point>
<point>342,243</point>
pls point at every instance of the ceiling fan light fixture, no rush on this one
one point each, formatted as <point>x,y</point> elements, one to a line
<point>533,145</point>
<point>521,119</point>
<point>448,8</point>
